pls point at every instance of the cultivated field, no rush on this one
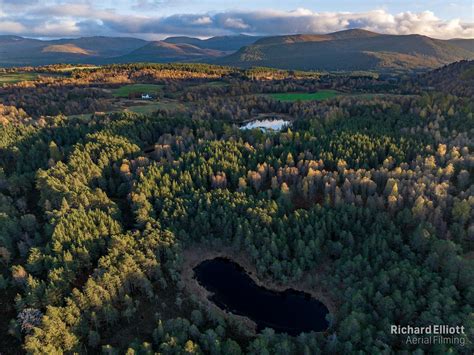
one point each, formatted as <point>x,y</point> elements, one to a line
<point>10,78</point>
<point>126,90</point>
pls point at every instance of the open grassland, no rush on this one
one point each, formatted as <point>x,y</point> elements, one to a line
<point>13,78</point>
<point>70,69</point>
<point>10,78</point>
<point>150,108</point>
<point>304,96</point>
<point>126,90</point>
<point>143,108</point>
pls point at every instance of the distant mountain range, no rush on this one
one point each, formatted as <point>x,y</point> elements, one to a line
<point>19,51</point>
<point>351,50</point>
<point>161,51</point>
<point>344,50</point>
<point>220,43</point>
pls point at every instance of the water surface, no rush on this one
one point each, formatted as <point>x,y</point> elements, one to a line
<point>233,290</point>
<point>275,125</point>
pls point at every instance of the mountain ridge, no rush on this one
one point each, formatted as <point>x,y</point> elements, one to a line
<point>160,51</point>
<point>350,50</point>
<point>353,49</point>
<point>223,43</point>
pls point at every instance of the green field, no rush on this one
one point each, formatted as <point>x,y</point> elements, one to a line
<point>303,96</point>
<point>9,78</point>
<point>72,68</point>
<point>150,108</point>
<point>143,109</point>
<point>126,90</point>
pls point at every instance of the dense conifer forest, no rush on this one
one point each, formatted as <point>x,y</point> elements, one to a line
<point>365,198</point>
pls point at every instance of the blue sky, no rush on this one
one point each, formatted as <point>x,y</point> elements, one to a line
<point>156,19</point>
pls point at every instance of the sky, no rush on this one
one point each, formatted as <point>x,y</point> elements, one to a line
<point>158,19</point>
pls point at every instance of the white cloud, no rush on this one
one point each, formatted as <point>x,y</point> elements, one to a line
<point>58,28</point>
<point>235,23</point>
<point>204,20</point>
<point>11,27</point>
<point>79,19</point>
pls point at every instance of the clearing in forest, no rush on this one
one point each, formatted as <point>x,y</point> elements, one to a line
<point>11,78</point>
<point>150,108</point>
<point>305,96</point>
<point>126,90</point>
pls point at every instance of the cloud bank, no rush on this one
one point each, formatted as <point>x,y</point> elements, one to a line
<point>83,19</point>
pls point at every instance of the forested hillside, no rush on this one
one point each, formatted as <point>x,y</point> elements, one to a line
<point>365,198</point>
<point>164,52</point>
<point>456,79</point>
<point>347,50</point>
<point>351,50</point>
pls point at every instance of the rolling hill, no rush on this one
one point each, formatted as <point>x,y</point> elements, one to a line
<point>350,50</point>
<point>19,51</point>
<point>344,50</point>
<point>66,48</point>
<point>455,79</point>
<point>105,46</point>
<point>220,43</point>
<point>162,52</point>
<point>467,44</point>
